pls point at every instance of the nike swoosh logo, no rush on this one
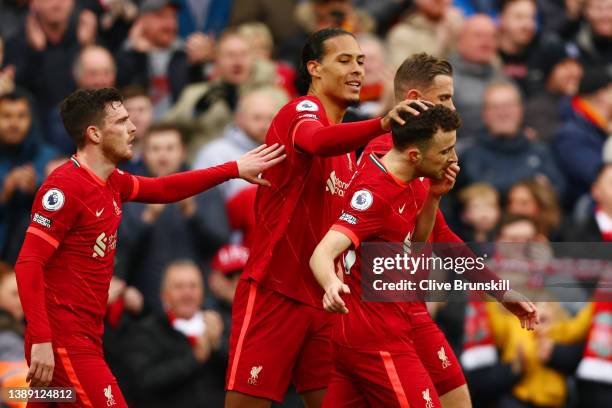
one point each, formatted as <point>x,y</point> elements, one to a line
<point>98,213</point>
<point>401,209</point>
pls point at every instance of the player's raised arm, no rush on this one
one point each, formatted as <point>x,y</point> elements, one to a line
<point>179,186</point>
<point>322,264</point>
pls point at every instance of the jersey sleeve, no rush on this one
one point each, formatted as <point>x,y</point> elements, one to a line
<point>363,216</point>
<point>56,208</point>
<point>126,183</point>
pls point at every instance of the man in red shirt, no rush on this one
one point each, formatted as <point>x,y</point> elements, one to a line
<point>66,261</point>
<point>376,356</point>
<point>280,333</point>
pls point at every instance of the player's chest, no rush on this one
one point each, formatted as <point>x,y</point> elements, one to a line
<point>401,219</point>
<point>100,218</point>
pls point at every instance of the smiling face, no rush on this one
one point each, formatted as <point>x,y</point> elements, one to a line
<point>340,73</point>
<point>117,133</point>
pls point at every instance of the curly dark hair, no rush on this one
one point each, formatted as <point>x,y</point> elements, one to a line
<point>84,108</point>
<point>418,130</point>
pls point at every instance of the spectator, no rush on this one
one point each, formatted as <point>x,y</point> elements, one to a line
<point>154,56</point>
<point>12,16</point>
<point>154,235</point>
<point>578,143</point>
<point>481,212</point>
<point>431,27</point>
<point>561,72</point>
<point>278,15</point>
<point>260,42</point>
<point>226,268</point>
<point>518,42</point>
<point>140,108</point>
<point>595,34</point>
<point>208,106</point>
<point>474,66</point>
<point>384,12</point>
<point>95,68</point>
<point>177,357</point>
<point>43,54</point>
<point>253,116</point>
<point>23,158</point>
<point>7,73</point>
<point>502,154</point>
<point>203,16</point>
<point>597,227</point>
<point>11,317</point>
<point>538,201</point>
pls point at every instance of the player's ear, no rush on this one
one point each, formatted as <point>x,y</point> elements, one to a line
<point>93,133</point>
<point>314,68</point>
<point>413,94</point>
<point>414,155</point>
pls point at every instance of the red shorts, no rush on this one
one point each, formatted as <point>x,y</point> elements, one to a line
<point>437,357</point>
<point>368,378</point>
<point>275,340</point>
<point>87,372</point>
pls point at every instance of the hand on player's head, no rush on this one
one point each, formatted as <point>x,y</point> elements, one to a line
<point>254,162</point>
<point>410,106</point>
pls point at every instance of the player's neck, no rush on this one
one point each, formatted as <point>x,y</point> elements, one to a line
<point>96,162</point>
<point>333,111</point>
<point>398,165</point>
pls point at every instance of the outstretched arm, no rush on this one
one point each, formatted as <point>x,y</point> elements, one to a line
<point>312,137</point>
<point>176,187</point>
<point>322,264</point>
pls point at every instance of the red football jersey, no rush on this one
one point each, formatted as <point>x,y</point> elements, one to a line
<point>78,213</point>
<point>378,208</point>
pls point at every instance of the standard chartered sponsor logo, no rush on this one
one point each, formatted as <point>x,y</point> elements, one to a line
<point>104,243</point>
<point>336,186</point>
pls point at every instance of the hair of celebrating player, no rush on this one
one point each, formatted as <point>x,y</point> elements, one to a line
<point>418,72</point>
<point>418,130</point>
<point>314,50</point>
<point>84,108</point>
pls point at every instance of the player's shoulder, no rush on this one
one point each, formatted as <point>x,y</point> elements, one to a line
<point>66,177</point>
<point>304,107</point>
<point>370,176</point>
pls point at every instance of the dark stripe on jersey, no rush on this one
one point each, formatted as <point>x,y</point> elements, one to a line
<point>376,162</point>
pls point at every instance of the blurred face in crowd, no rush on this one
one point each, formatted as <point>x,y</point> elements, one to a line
<point>340,73</point>
<point>482,212</point>
<point>182,290</point>
<point>52,12</point>
<point>117,133</point>
<point>9,296</point>
<point>374,63</point>
<point>255,112</point>
<point>518,22</point>
<point>502,111</point>
<point>433,9</point>
<point>95,69</point>
<point>332,13</point>
<point>602,190</point>
<point>599,15</point>
<point>522,231</point>
<point>522,202</point>
<point>160,26</point>
<point>15,121</point>
<point>140,109</point>
<point>234,59</point>
<point>477,42</point>
<point>565,78</point>
<point>163,152</point>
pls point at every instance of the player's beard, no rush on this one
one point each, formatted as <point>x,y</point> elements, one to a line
<point>117,152</point>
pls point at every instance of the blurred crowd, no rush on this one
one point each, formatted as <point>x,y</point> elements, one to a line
<point>202,79</point>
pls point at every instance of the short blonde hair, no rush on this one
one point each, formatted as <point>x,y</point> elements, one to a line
<point>257,29</point>
<point>477,190</point>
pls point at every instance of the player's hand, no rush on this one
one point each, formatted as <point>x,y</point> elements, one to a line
<point>259,159</point>
<point>332,301</point>
<point>445,184</point>
<point>522,308</point>
<point>412,106</point>
<point>42,364</point>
